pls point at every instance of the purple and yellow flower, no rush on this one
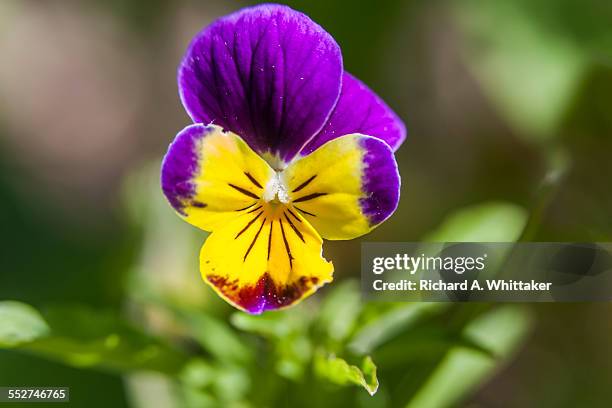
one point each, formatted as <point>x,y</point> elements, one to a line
<point>287,148</point>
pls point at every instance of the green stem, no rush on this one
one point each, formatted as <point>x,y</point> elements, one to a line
<point>558,165</point>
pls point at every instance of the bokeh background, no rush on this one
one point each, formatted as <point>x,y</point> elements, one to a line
<point>508,106</point>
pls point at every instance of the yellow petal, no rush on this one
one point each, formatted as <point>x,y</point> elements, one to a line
<point>346,187</point>
<point>265,260</point>
<point>209,176</point>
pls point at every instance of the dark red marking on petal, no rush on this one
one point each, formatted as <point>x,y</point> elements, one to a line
<point>263,295</point>
<point>243,190</point>
<point>304,211</point>
<point>298,233</point>
<point>248,225</point>
<point>293,214</point>
<point>270,239</point>
<point>253,180</point>
<point>309,197</point>
<point>287,248</point>
<point>247,207</point>
<point>304,184</point>
<point>254,240</point>
<point>199,204</point>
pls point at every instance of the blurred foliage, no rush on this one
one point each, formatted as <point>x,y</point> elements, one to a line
<point>331,345</point>
<point>462,369</point>
<point>82,337</point>
<point>489,222</point>
<point>532,55</point>
<point>110,300</point>
<point>529,71</point>
<point>340,372</point>
<point>21,323</point>
<point>288,344</point>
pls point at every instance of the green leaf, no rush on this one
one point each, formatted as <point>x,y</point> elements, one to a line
<point>198,373</point>
<point>390,324</point>
<point>217,337</point>
<point>269,325</point>
<point>558,163</point>
<point>293,355</point>
<point>488,222</point>
<point>426,344</point>
<point>83,337</point>
<point>339,310</point>
<point>501,331</point>
<point>232,383</point>
<point>20,323</point>
<point>275,325</point>
<point>287,332</point>
<point>338,371</point>
<point>527,68</point>
<point>218,382</point>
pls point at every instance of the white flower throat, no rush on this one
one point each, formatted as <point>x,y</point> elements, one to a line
<point>276,190</point>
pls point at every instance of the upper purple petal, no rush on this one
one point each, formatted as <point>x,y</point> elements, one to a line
<point>267,73</point>
<point>360,110</point>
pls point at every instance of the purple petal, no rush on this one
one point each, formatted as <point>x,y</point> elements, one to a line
<point>180,164</point>
<point>267,73</point>
<point>360,110</point>
<point>381,181</point>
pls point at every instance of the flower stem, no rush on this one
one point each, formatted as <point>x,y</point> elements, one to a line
<point>558,164</point>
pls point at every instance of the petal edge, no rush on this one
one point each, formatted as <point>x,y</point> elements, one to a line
<point>267,73</point>
<point>360,110</point>
<point>210,176</point>
<point>346,187</point>
<point>265,261</point>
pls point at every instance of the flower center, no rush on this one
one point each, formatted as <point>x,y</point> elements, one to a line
<point>276,190</point>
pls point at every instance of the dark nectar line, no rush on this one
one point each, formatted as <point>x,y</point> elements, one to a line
<point>254,240</point>
<point>304,184</point>
<point>293,215</point>
<point>248,225</point>
<point>286,244</point>
<point>297,232</point>
<point>304,211</point>
<point>246,208</point>
<point>253,179</point>
<point>254,209</point>
<point>270,239</point>
<point>243,191</point>
<point>308,197</point>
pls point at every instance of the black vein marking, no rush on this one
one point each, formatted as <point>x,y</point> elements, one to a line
<point>243,191</point>
<point>304,211</point>
<point>270,239</point>
<point>247,207</point>
<point>254,209</point>
<point>253,180</point>
<point>304,184</point>
<point>308,197</point>
<point>248,225</point>
<point>294,216</point>
<point>199,204</point>
<point>254,240</point>
<point>286,244</point>
<point>297,232</point>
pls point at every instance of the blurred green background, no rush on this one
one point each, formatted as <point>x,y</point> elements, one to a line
<point>508,106</point>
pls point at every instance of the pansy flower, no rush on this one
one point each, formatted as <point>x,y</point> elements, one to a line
<point>287,148</point>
